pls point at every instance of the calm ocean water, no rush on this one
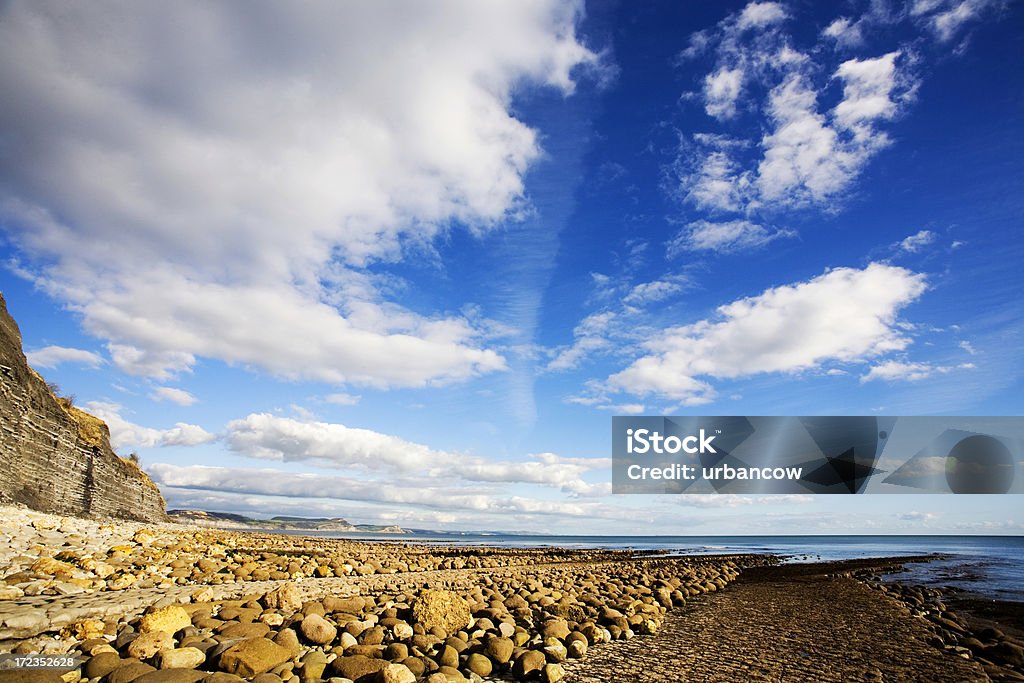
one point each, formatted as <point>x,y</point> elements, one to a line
<point>987,566</point>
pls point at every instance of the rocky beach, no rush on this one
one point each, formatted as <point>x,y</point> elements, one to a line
<point>115,602</point>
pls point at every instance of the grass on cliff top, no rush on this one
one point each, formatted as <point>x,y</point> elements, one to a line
<point>92,429</point>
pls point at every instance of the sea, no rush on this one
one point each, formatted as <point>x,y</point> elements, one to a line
<point>989,567</point>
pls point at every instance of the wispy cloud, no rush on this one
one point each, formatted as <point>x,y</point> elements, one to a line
<point>723,236</point>
<point>918,241</point>
<point>894,371</point>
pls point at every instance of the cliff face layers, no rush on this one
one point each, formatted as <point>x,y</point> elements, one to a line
<point>56,458</point>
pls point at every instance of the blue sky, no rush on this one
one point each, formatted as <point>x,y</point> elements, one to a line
<point>401,262</point>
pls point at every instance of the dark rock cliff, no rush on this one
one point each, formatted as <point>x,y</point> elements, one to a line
<point>56,458</point>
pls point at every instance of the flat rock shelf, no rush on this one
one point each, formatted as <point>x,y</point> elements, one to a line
<point>787,624</point>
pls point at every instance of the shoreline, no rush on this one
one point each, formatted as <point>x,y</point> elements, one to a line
<point>89,588</point>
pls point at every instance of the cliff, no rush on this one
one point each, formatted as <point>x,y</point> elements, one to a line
<point>228,520</point>
<point>56,458</point>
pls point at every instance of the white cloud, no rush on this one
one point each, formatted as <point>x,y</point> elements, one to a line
<point>652,292</point>
<point>269,437</point>
<point>843,315</point>
<point>917,241</point>
<point>916,516</point>
<point>125,434</point>
<point>725,236</point>
<point>173,394</point>
<point>898,370</point>
<point>721,90</point>
<point>52,356</point>
<point>433,494</point>
<point>809,159</point>
<point>342,399</point>
<point>590,338</point>
<point>845,32</point>
<point>968,347</point>
<point>902,371</point>
<point>760,15</point>
<point>868,85</point>
<point>262,172</point>
<point>810,154</point>
<point>947,17</point>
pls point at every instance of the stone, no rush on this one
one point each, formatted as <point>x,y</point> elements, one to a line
<point>83,630</point>
<point>552,673</point>
<point>285,597</point>
<point>254,656</point>
<point>353,605</point>
<point>355,667</point>
<point>170,619</point>
<point>30,676</point>
<point>448,656</point>
<point>499,649</point>
<point>313,665</point>
<point>479,664</point>
<point>555,628</point>
<point>172,676</point>
<point>395,673</point>
<point>101,664</point>
<point>396,652</point>
<point>441,609</point>
<point>182,658</point>
<point>528,662</point>
<point>148,644</point>
<point>10,593</point>
<point>318,630</point>
<point>234,630</point>
<point>129,671</point>
<point>288,639</point>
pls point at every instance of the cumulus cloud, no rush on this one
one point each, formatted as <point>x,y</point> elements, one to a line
<point>844,315</point>
<point>126,434</point>
<point>811,152</point>
<point>52,356</point>
<point>267,171</point>
<point>174,395</point>
<point>721,90</point>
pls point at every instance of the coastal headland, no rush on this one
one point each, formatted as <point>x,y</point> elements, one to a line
<point>168,603</point>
